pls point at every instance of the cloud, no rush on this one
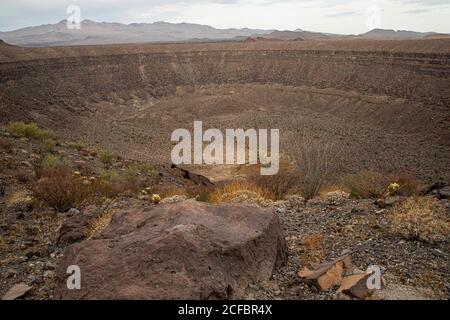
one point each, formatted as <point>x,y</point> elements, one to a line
<point>428,2</point>
<point>417,11</point>
<point>341,14</point>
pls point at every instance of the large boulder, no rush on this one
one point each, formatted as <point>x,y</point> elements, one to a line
<point>185,250</point>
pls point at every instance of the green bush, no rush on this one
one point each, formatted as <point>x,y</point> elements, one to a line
<point>106,157</point>
<point>366,184</point>
<point>77,145</point>
<point>112,183</point>
<point>49,164</point>
<point>48,145</point>
<point>29,130</point>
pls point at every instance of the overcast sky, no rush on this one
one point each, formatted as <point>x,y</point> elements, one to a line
<point>334,16</point>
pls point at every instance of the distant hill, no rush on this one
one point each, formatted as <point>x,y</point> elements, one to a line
<point>392,34</point>
<point>376,34</point>
<point>437,36</point>
<point>92,32</point>
<point>296,35</point>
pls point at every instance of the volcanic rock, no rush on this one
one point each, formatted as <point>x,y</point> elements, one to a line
<point>185,250</point>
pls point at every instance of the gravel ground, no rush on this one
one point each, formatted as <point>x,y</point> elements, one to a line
<point>323,230</point>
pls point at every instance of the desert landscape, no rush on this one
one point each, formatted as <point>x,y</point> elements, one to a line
<point>86,175</point>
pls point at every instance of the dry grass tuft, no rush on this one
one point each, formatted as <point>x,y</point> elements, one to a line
<point>18,198</point>
<point>226,192</point>
<point>98,224</point>
<point>366,184</point>
<point>420,218</point>
<point>313,248</point>
<point>279,186</point>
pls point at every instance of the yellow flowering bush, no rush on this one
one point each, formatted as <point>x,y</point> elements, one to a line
<point>156,198</point>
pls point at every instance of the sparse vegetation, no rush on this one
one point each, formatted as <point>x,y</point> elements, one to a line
<point>76,145</point>
<point>98,224</point>
<point>48,144</point>
<point>366,184</point>
<point>112,183</point>
<point>312,248</point>
<point>29,130</point>
<point>407,185</point>
<point>107,157</point>
<point>315,164</point>
<point>227,191</point>
<point>156,198</point>
<point>144,169</point>
<point>21,200</point>
<point>49,164</point>
<point>60,188</point>
<point>278,186</point>
<point>420,218</point>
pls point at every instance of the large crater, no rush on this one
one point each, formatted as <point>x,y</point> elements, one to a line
<point>387,110</point>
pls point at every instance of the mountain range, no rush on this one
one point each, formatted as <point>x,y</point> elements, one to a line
<point>92,33</point>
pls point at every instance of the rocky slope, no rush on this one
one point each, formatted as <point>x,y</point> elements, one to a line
<point>36,240</point>
<point>383,100</point>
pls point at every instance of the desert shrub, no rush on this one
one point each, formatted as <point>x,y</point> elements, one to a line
<point>77,145</point>
<point>106,157</point>
<point>279,186</point>
<point>49,164</point>
<point>315,164</point>
<point>6,144</point>
<point>48,144</point>
<point>408,185</point>
<point>60,189</point>
<point>221,193</point>
<point>366,184</point>
<point>420,218</point>
<point>29,130</point>
<point>133,177</point>
<point>112,183</point>
<point>145,169</point>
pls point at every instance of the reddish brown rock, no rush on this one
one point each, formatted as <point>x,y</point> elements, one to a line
<point>16,291</point>
<point>356,286</point>
<point>326,275</point>
<point>186,250</point>
<point>75,227</point>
